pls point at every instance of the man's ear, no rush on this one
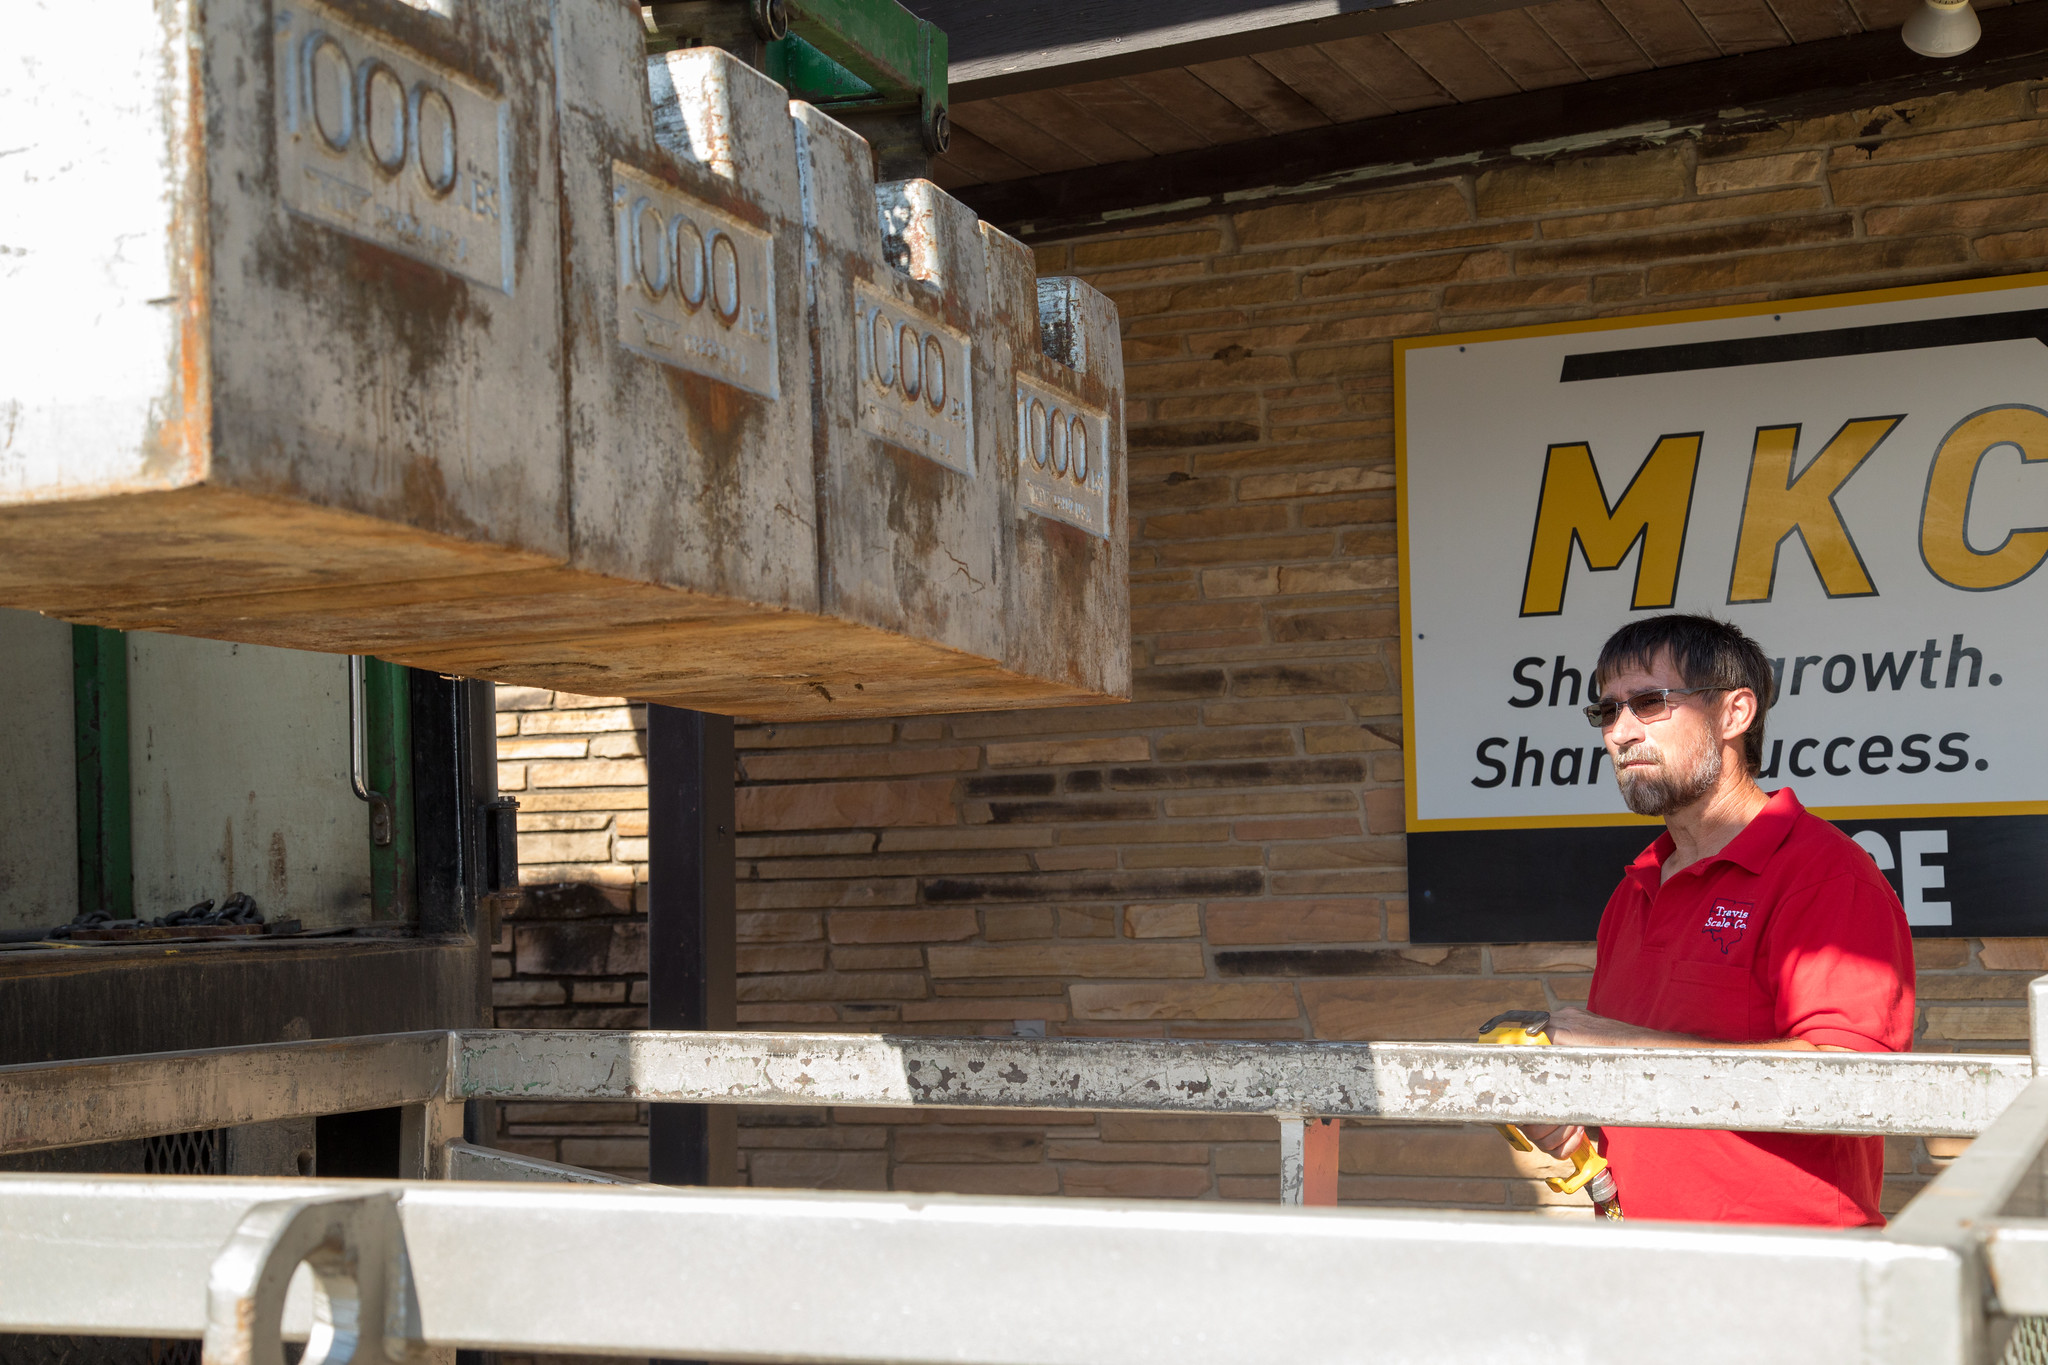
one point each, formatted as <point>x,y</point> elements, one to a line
<point>1739,711</point>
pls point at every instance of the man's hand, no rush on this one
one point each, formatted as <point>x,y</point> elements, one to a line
<point>1559,1140</point>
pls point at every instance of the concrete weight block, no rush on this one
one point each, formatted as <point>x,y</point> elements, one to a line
<point>1062,447</point>
<point>292,271</point>
<point>911,509</point>
<point>924,522</point>
<point>688,365</point>
<point>811,465</point>
<point>461,333</point>
<point>692,568</point>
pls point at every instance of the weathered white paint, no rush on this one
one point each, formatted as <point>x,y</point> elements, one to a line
<point>239,767</point>
<point>141,227</point>
<point>903,281</point>
<point>1909,1093</point>
<point>63,1103</point>
<point>933,1278</point>
<point>38,754</point>
<point>1064,341</point>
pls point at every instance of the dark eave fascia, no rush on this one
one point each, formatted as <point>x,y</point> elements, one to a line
<point>1009,47</point>
<point>1647,108</point>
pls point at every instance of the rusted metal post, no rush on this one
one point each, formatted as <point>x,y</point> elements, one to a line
<point>1308,1161</point>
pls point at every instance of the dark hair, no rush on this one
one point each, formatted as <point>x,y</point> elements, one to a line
<point>1706,653</point>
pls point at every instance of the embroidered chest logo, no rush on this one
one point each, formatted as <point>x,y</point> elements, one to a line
<point>1727,922</point>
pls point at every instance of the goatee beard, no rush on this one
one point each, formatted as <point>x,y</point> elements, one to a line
<point>1659,791</point>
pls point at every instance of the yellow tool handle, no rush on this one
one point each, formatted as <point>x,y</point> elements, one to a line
<point>1586,1162</point>
<point>1525,1028</point>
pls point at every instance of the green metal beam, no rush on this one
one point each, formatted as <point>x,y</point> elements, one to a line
<point>99,708</point>
<point>882,45</point>
<point>810,75</point>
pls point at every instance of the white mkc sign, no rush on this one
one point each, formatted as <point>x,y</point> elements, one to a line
<point>1860,483</point>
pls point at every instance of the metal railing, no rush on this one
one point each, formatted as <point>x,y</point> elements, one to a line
<point>425,1265</point>
<point>1913,1094</point>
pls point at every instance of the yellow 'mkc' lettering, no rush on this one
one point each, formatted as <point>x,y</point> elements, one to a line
<point>1573,510</point>
<point>1952,486</point>
<point>1779,504</point>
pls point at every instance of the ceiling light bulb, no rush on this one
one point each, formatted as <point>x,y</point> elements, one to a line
<point>1942,28</point>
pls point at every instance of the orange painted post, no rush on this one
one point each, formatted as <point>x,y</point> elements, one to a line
<point>1319,1162</point>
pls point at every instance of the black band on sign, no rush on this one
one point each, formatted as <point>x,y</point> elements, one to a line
<point>1838,341</point>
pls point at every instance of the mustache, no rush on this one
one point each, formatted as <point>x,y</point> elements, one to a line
<point>1640,751</point>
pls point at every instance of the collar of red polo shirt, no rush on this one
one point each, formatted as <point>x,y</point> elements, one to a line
<point>1750,850</point>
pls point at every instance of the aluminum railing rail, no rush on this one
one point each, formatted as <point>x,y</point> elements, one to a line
<point>637,1270</point>
<point>781,1275</point>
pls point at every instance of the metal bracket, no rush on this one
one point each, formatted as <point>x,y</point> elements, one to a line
<point>364,1309</point>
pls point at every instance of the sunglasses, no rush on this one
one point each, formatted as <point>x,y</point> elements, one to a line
<point>1651,705</point>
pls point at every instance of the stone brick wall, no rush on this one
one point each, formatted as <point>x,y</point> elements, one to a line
<point>1223,857</point>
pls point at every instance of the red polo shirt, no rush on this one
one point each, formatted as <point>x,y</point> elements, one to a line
<point>1789,932</point>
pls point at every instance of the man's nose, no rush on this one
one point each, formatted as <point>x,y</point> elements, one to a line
<point>1625,731</point>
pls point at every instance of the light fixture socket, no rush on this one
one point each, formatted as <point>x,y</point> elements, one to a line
<point>1942,28</point>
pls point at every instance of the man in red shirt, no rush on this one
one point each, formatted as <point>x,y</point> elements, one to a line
<point>1749,923</point>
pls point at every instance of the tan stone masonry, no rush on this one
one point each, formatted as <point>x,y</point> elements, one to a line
<point>1223,857</point>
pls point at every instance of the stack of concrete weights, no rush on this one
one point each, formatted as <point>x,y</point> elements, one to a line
<point>461,333</point>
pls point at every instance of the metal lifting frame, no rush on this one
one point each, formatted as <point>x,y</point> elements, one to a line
<point>410,1269</point>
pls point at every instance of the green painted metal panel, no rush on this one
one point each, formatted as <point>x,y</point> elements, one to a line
<point>387,736</point>
<point>99,683</point>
